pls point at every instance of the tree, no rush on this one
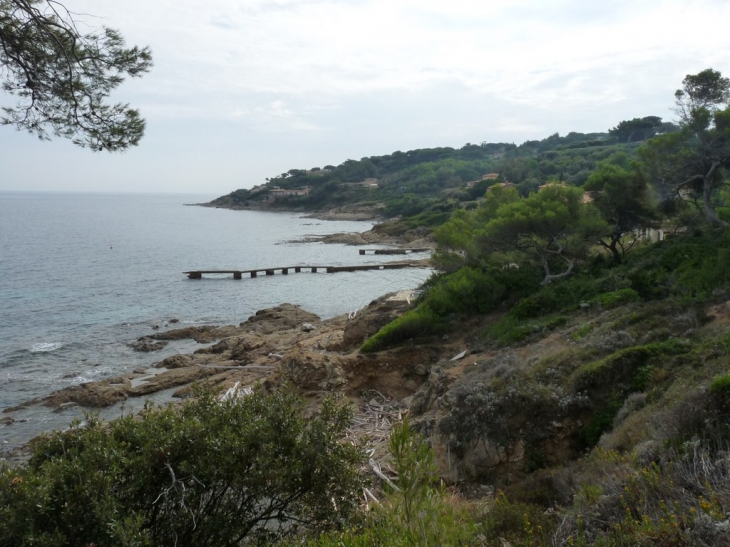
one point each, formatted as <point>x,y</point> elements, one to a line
<point>638,129</point>
<point>213,473</point>
<point>622,197</point>
<point>460,239</point>
<point>705,90</point>
<point>552,227</point>
<point>62,78</point>
<point>693,162</point>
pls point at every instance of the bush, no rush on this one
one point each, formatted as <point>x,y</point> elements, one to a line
<point>617,298</point>
<point>208,473</point>
<point>416,322</point>
<point>417,512</point>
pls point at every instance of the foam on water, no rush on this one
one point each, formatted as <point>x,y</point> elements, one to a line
<point>45,347</point>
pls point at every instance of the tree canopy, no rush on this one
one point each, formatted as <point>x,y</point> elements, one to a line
<point>62,78</point>
<point>623,199</point>
<point>693,163</point>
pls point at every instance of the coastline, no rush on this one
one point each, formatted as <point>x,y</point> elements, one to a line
<point>345,212</point>
<point>378,235</point>
<point>281,345</point>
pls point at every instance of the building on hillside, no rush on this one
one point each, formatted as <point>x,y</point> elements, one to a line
<point>501,185</point>
<point>277,192</point>
<point>369,183</point>
<point>651,235</point>
<point>488,176</point>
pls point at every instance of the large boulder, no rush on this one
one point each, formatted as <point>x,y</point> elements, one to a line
<point>286,316</point>
<point>312,371</point>
<point>91,394</point>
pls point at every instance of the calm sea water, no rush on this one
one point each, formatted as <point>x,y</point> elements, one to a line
<point>82,275</point>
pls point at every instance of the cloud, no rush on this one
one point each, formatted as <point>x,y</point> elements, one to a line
<point>359,77</point>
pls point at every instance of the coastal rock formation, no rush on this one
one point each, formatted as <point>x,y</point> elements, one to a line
<point>146,344</point>
<point>286,316</point>
<point>312,371</point>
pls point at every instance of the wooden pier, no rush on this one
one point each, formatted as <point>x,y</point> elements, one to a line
<point>238,274</point>
<point>393,251</point>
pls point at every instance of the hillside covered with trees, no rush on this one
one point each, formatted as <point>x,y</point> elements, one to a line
<point>424,186</point>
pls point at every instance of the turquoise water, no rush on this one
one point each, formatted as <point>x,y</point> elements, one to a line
<point>81,275</point>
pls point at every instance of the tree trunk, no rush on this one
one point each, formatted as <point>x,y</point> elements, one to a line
<point>552,277</point>
<point>707,188</point>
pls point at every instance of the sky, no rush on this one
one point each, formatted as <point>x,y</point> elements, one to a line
<point>242,90</point>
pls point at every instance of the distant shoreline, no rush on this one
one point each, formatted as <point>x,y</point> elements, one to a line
<point>346,212</point>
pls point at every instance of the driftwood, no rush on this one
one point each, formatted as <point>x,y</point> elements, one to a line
<point>372,424</point>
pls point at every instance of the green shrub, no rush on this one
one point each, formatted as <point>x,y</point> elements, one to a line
<point>510,330</point>
<point>721,386</point>
<point>209,473</point>
<point>617,298</point>
<point>417,512</point>
<point>621,366</point>
<point>517,523</point>
<point>413,323</point>
<point>468,290</point>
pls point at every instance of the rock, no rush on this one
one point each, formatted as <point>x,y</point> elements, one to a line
<point>286,316</point>
<point>146,344</point>
<point>175,361</point>
<point>171,378</point>
<point>199,334</point>
<point>7,420</point>
<point>91,394</point>
<point>243,346</point>
<point>173,321</point>
<point>307,327</point>
<point>312,371</point>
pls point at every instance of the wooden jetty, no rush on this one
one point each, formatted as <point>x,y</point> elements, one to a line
<point>238,274</point>
<point>393,251</point>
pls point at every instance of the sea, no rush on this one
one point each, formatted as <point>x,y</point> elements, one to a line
<point>83,275</point>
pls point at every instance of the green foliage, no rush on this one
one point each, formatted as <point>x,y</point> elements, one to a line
<point>692,267</point>
<point>694,162</point>
<point>414,465</point>
<point>550,228</point>
<point>599,422</point>
<point>621,366</point>
<point>638,129</point>
<point>617,298</point>
<point>208,473</point>
<point>623,200</point>
<point>417,322</point>
<point>511,330</point>
<point>417,512</point>
<point>518,524</point>
<point>63,78</point>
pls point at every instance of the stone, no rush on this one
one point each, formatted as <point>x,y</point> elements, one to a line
<point>146,344</point>
<point>312,371</point>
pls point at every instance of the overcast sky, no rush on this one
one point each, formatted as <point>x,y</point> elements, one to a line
<point>242,90</point>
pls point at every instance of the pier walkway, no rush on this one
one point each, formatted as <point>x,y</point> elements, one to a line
<point>394,251</point>
<point>238,274</point>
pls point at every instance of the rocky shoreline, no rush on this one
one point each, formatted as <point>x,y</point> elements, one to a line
<point>276,346</point>
<point>280,344</point>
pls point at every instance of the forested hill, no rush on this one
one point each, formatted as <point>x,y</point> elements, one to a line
<point>425,185</point>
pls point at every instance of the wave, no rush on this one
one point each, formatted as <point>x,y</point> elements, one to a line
<point>44,347</point>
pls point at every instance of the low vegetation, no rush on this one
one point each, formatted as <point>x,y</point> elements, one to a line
<point>211,472</point>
